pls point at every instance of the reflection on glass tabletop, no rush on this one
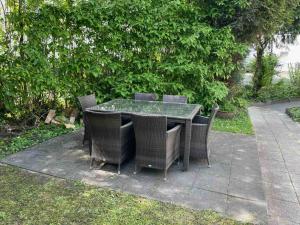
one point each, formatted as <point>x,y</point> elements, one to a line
<point>131,106</point>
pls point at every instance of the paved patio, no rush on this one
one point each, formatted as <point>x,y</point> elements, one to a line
<point>278,139</point>
<point>232,186</point>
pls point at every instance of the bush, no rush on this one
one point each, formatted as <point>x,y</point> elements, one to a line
<point>294,74</point>
<point>269,63</point>
<point>237,99</point>
<point>278,91</point>
<point>100,47</point>
<point>294,113</point>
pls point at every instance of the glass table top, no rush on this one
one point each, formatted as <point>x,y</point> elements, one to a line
<point>130,106</point>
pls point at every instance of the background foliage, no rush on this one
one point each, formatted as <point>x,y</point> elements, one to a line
<point>54,52</point>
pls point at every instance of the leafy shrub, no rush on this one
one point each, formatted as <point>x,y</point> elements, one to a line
<point>278,91</point>
<point>99,47</point>
<point>237,99</point>
<point>294,113</point>
<point>269,63</point>
<point>294,74</point>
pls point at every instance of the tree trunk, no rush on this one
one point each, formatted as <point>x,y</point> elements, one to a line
<point>258,74</point>
<point>21,40</point>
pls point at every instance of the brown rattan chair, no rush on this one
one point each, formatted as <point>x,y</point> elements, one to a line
<point>112,141</point>
<point>200,135</point>
<point>156,146</point>
<point>145,96</point>
<point>86,102</point>
<point>174,98</point>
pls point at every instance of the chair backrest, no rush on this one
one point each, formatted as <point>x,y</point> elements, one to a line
<point>145,96</point>
<point>174,98</point>
<point>87,101</point>
<point>213,113</point>
<point>105,128</point>
<point>151,135</point>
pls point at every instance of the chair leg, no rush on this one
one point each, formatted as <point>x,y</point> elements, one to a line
<point>90,147</point>
<point>178,161</point>
<point>165,174</point>
<point>119,168</point>
<point>135,169</point>
<point>208,162</point>
<point>92,162</point>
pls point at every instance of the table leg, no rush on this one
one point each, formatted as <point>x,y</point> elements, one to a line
<point>187,144</point>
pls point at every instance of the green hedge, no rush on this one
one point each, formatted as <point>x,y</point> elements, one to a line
<point>112,48</point>
<point>278,91</point>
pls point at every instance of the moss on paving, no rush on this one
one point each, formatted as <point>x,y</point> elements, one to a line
<point>294,113</point>
<point>28,198</point>
<point>241,123</point>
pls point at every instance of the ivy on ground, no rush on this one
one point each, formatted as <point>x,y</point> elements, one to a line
<point>29,138</point>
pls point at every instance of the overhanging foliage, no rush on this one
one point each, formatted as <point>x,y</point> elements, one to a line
<point>54,52</point>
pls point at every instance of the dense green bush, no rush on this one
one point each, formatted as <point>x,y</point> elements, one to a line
<point>236,100</point>
<point>284,89</point>
<point>294,74</point>
<point>278,91</point>
<point>294,113</point>
<point>269,63</point>
<point>113,49</point>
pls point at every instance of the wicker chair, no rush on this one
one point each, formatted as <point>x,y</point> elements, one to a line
<point>112,141</point>
<point>174,98</point>
<point>86,102</point>
<point>200,135</point>
<point>156,147</point>
<point>145,96</point>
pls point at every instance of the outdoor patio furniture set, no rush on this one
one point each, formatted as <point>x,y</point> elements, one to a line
<point>155,133</point>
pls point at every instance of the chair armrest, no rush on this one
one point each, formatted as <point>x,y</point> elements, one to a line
<point>127,125</point>
<point>200,120</point>
<point>173,141</point>
<point>174,131</point>
<point>127,131</point>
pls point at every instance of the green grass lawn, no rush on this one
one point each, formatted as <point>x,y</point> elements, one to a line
<point>294,113</point>
<point>28,198</point>
<point>239,124</point>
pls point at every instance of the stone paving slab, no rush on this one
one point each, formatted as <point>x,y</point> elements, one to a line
<point>278,140</point>
<point>232,186</point>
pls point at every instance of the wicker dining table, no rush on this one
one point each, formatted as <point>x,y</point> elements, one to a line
<point>175,112</point>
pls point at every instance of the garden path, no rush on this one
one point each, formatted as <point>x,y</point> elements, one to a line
<point>278,140</point>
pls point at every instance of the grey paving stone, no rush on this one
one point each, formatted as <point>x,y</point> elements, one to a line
<point>284,192</point>
<point>294,168</point>
<point>284,210</point>
<point>199,188</point>
<point>275,166</point>
<point>278,147</point>
<point>246,210</point>
<point>280,221</point>
<point>202,199</point>
<point>248,190</point>
<point>212,183</point>
<point>267,155</point>
<point>251,163</point>
<point>296,180</point>
<point>217,169</point>
<point>274,177</point>
<point>140,185</point>
<point>245,172</point>
<point>169,192</point>
<point>219,157</point>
